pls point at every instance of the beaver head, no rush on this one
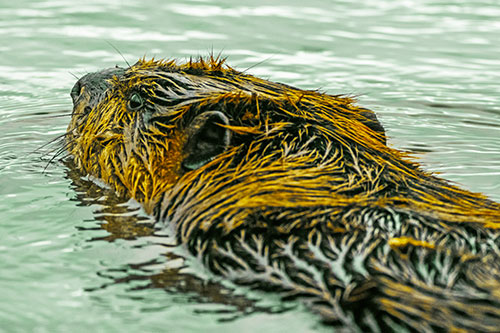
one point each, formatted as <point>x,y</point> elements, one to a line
<point>139,129</point>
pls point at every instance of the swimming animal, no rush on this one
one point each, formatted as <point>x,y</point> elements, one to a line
<point>293,191</point>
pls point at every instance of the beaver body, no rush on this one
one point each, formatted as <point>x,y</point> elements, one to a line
<point>292,191</point>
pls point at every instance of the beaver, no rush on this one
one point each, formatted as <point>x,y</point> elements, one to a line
<point>291,191</point>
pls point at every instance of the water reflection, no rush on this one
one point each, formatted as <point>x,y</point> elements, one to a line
<point>124,220</point>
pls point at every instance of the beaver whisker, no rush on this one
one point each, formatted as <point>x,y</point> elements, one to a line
<point>61,151</point>
<point>60,115</point>
<point>64,143</point>
<point>258,63</point>
<point>121,54</point>
<point>51,142</point>
<point>76,77</point>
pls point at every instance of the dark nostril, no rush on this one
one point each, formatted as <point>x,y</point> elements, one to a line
<point>75,92</point>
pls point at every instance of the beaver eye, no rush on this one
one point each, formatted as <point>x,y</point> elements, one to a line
<point>135,102</point>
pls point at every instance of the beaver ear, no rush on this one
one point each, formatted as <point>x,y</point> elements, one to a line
<point>206,139</point>
<point>373,123</point>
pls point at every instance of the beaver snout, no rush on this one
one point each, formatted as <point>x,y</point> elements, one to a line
<point>76,91</point>
<point>94,85</point>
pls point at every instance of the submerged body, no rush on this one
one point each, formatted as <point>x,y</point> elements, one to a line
<point>293,191</point>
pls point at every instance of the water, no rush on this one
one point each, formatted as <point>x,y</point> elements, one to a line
<point>69,257</point>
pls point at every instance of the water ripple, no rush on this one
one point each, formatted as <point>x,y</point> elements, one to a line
<point>430,70</point>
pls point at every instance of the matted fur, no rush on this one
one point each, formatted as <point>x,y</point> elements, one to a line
<point>307,199</point>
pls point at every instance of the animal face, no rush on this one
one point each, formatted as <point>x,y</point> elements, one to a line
<point>142,128</point>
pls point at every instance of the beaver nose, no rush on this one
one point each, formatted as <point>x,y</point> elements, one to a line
<point>95,84</point>
<point>76,91</point>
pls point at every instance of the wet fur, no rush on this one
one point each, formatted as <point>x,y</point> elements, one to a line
<point>306,199</point>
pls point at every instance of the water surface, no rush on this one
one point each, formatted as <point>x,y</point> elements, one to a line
<point>75,257</point>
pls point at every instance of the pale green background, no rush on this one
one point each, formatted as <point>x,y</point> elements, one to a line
<point>430,69</point>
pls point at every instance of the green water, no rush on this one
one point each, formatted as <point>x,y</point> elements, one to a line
<point>430,69</point>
